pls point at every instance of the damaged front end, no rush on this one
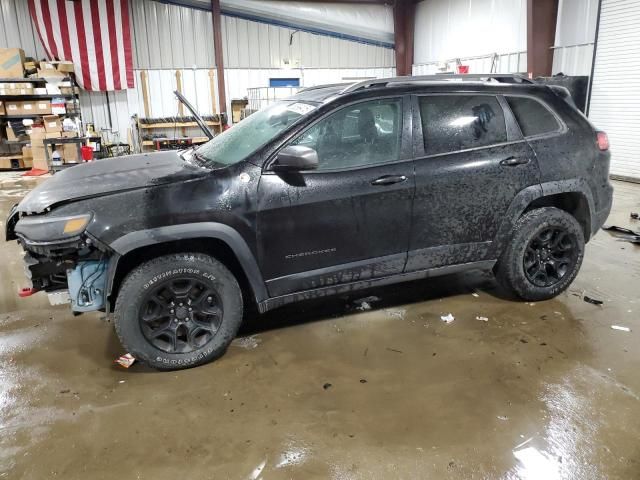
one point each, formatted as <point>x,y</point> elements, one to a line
<point>61,258</point>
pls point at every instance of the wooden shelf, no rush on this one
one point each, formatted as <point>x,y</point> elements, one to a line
<point>176,125</point>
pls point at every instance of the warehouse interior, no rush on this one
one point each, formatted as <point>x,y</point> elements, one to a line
<point>441,377</point>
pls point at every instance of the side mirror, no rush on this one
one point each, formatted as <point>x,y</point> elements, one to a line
<point>295,158</point>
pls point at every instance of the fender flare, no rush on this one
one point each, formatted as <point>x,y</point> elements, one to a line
<point>143,238</point>
<point>524,198</point>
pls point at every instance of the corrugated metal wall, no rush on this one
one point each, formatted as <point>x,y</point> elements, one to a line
<point>575,35</point>
<point>169,36</point>
<point>249,44</point>
<point>16,29</point>
<point>448,29</point>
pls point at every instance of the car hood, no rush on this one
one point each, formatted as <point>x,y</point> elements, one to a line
<point>107,176</point>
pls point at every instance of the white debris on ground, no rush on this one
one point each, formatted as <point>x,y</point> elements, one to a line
<point>125,360</point>
<point>481,318</point>
<point>365,303</point>
<point>448,318</point>
<point>364,306</point>
<point>398,313</point>
<point>475,294</point>
<point>621,328</point>
<point>249,343</point>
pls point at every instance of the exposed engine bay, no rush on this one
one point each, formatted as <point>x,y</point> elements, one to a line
<point>75,263</point>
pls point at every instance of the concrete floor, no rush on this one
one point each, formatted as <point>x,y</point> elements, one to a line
<point>322,390</point>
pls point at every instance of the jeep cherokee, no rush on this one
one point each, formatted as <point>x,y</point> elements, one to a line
<point>338,188</point>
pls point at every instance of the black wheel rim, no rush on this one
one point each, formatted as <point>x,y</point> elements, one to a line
<point>550,256</point>
<point>180,315</point>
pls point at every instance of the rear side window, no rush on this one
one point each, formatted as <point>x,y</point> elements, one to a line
<point>458,122</point>
<point>534,118</point>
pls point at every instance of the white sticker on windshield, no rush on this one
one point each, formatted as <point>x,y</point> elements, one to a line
<point>301,108</point>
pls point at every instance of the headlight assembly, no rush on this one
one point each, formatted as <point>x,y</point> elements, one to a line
<point>51,229</point>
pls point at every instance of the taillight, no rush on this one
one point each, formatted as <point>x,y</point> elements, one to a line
<point>602,140</point>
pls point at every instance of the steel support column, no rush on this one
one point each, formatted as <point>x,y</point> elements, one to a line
<point>217,49</point>
<point>403,24</point>
<point>541,33</point>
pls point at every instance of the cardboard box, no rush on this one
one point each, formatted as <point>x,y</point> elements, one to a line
<point>52,135</point>
<point>28,108</point>
<point>40,164</point>
<point>30,65</point>
<point>52,123</point>
<point>36,137</point>
<point>2,111</point>
<point>69,134</point>
<point>70,153</point>
<point>40,91</point>
<point>28,162</point>
<point>39,159</point>
<point>11,162</point>
<point>27,153</point>
<point>49,73</point>
<point>47,66</point>
<point>11,136</point>
<point>11,63</point>
<point>13,108</point>
<point>43,107</point>
<point>65,67</point>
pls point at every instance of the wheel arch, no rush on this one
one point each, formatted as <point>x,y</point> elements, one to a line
<point>217,240</point>
<point>573,196</point>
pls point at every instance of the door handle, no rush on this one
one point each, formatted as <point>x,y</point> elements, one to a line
<point>513,161</point>
<point>389,180</point>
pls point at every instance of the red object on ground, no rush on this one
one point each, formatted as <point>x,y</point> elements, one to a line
<point>27,291</point>
<point>34,172</point>
<point>87,153</point>
<point>463,68</point>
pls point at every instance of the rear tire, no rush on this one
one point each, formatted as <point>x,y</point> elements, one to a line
<point>543,256</point>
<point>178,311</point>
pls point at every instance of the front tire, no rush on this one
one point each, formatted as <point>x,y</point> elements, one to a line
<point>178,311</point>
<point>543,256</point>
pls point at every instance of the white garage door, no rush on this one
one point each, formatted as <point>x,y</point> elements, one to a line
<point>615,95</point>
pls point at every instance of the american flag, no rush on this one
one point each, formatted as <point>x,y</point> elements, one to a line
<point>93,34</point>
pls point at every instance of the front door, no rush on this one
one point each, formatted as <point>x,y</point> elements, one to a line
<point>470,164</point>
<point>349,219</point>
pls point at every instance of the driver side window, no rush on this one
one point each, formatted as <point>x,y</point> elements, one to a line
<point>363,134</point>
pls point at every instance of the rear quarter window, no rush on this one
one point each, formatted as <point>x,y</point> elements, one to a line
<point>533,117</point>
<point>452,123</point>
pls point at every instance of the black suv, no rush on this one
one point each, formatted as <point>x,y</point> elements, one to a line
<point>338,188</point>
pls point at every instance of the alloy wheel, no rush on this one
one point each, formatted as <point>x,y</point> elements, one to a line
<point>549,256</point>
<point>180,315</point>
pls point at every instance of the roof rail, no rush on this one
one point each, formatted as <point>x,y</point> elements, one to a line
<point>383,82</point>
<point>317,87</point>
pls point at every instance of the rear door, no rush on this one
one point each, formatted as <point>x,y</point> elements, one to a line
<point>471,161</point>
<point>348,220</point>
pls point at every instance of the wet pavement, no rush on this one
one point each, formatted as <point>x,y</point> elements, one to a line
<point>333,389</point>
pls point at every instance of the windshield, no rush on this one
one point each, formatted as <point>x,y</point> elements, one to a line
<point>244,138</point>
